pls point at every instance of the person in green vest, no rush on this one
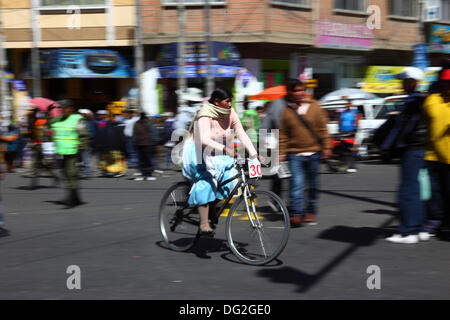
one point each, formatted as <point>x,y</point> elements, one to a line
<point>71,137</point>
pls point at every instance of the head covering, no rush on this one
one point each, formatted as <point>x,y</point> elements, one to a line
<point>445,74</point>
<point>191,94</point>
<point>209,110</point>
<point>410,73</point>
<point>102,112</point>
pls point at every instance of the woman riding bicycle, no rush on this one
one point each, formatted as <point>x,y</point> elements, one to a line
<point>207,160</point>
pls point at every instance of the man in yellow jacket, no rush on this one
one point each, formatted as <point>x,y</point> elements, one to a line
<point>437,156</point>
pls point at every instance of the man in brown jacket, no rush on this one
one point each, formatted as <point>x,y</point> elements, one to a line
<point>304,140</point>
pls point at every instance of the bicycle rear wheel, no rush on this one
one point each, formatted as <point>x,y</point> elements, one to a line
<point>260,237</point>
<point>178,221</point>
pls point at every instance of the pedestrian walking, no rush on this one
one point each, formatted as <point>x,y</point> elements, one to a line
<point>42,158</point>
<point>3,232</point>
<point>437,156</point>
<point>304,140</point>
<point>407,138</point>
<point>71,137</point>
<point>348,124</point>
<point>144,138</point>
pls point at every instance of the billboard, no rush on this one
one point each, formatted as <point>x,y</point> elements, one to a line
<point>85,63</point>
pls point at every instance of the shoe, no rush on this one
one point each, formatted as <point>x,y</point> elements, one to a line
<point>4,232</point>
<point>118,175</point>
<point>352,170</point>
<point>137,174</point>
<point>425,236</point>
<point>139,179</point>
<point>296,221</point>
<point>206,234</point>
<point>397,238</point>
<point>158,171</point>
<point>150,178</point>
<point>310,219</point>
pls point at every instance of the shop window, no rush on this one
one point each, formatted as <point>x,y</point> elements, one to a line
<point>352,70</point>
<point>63,3</point>
<point>403,8</point>
<point>305,3</point>
<point>352,5</point>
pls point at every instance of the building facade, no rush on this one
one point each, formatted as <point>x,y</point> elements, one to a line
<point>86,47</point>
<point>276,39</point>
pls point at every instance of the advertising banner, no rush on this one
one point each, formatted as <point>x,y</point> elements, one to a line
<point>338,35</point>
<point>381,79</point>
<point>440,38</point>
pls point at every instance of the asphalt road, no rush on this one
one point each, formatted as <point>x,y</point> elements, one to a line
<point>115,241</point>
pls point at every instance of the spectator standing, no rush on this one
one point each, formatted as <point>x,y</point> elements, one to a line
<point>12,137</point>
<point>185,115</point>
<point>3,232</point>
<point>86,155</point>
<point>130,118</point>
<point>408,139</point>
<point>144,135</point>
<point>348,124</point>
<point>40,134</point>
<point>303,140</point>
<point>437,156</point>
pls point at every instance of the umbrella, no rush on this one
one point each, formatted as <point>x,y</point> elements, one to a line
<point>43,105</point>
<point>272,93</point>
<point>347,93</point>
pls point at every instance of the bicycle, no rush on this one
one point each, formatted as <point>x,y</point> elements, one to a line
<point>257,226</point>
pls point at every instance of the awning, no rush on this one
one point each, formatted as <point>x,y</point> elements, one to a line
<point>381,79</point>
<point>85,63</point>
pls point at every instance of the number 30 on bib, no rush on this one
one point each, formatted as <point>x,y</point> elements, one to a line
<point>254,171</point>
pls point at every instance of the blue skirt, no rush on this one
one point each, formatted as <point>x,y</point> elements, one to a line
<point>207,173</point>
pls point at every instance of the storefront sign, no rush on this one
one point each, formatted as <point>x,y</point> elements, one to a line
<point>199,71</point>
<point>85,63</point>
<point>381,79</point>
<point>338,35</point>
<point>440,38</point>
<point>420,59</point>
<point>196,53</point>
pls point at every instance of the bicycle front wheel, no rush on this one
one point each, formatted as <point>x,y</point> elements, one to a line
<point>178,221</point>
<point>259,237</point>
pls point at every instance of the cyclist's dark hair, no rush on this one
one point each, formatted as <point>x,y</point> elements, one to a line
<point>292,83</point>
<point>221,94</point>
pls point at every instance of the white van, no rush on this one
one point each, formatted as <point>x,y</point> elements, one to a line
<point>374,114</point>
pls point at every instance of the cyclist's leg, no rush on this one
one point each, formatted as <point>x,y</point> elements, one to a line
<point>203,210</point>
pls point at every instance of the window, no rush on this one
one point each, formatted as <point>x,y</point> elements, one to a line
<point>353,5</point>
<point>403,8</point>
<point>63,3</point>
<point>305,3</point>
<point>445,10</point>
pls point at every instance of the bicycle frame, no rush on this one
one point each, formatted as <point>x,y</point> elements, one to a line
<point>242,183</point>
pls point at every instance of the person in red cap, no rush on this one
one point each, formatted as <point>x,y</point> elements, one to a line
<point>437,156</point>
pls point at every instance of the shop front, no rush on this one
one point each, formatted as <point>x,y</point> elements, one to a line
<point>92,78</point>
